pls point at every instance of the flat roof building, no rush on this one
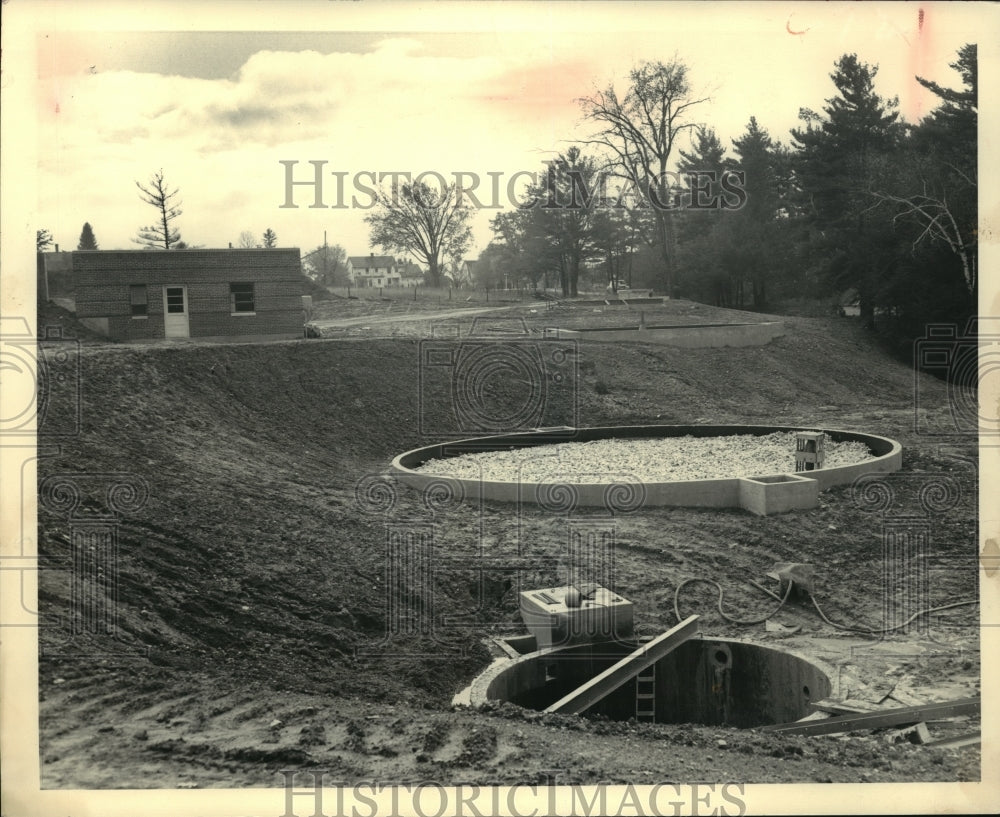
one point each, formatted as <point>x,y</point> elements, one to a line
<point>209,294</point>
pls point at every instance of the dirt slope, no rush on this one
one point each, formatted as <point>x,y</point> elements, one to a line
<point>256,571</point>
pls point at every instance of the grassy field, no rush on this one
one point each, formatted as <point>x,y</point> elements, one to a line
<point>252,583</point>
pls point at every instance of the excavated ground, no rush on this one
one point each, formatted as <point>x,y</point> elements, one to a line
<point>252,584</point>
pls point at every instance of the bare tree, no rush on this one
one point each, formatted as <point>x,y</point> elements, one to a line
<point>937,218</point>
<point>639,132</point>
<point>247,240</point>
<point>327,265</point>
<point>157,194</point>
<point>939,189</point>
<point>432,224</point>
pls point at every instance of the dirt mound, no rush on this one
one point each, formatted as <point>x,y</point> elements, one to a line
<point>55,322</point>
<point>256,572</point>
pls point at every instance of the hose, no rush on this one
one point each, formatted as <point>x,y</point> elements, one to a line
<point>812,598</point>
<point>884,630</point>
<point>722,613</point>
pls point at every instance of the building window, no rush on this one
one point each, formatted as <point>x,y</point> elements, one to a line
<point>241,299</point>
<point>175,300</point>
<point>137,298</point>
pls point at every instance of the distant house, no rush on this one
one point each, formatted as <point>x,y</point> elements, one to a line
<point>850,303</point>
<point>373,271</point>
<point>209,294</point>
<point>411,275</point>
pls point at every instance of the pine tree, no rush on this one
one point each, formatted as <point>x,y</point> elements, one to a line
<point>930,191</point>
<point>755,226</point>
<point>700,224</point>
<point>947,140</point>
<point>837,161</point>
<point>87,240</point>
<point>157,194</point>
<point>270,239</point>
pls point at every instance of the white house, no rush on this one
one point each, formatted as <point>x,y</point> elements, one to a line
<point>411,275</point>
<point>373,271</point>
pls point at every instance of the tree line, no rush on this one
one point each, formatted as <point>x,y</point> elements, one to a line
<point>859,205</point>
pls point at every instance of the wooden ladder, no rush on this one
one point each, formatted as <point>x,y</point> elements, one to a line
<point>645,695</point>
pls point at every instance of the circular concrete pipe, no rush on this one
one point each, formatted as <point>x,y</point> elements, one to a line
<point>713,681</point>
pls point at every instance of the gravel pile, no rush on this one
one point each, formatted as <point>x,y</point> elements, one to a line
<point>663,459</point>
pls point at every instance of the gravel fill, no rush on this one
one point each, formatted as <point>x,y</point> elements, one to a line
<point>661,459</point>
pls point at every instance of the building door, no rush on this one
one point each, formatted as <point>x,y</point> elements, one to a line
<point>175,312</point>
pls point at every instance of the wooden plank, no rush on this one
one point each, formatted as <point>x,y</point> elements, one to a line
<point>842,707</point>
<point>876,720</point>
<point>602,685</point>
<point>903,697</point>
<point>958,742</point>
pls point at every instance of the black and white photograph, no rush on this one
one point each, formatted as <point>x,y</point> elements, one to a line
<point>499,408</point>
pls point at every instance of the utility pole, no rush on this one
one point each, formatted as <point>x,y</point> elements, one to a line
<point>324,259</point>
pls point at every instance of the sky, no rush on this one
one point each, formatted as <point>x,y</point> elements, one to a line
<point>491,90</point>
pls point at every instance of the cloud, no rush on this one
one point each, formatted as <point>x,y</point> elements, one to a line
<point>503,102</point>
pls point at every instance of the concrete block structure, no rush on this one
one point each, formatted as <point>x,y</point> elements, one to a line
<point>560,616</point>
<point>808,450</point>
<point>210,294</point>
<point>777,493</point>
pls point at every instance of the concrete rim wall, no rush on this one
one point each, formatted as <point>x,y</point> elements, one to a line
<point>688,336</point>
<point>510,680</point>
<point>627,492</point>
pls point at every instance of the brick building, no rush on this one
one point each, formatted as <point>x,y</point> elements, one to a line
<point>218,294</point>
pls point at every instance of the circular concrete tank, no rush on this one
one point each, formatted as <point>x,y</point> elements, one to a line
<point>712,681</point>
<point>766,493</point>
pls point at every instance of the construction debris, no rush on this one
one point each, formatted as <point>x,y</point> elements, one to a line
<point>914,734</point>
<point>907,715</point>
<point>958,742</point>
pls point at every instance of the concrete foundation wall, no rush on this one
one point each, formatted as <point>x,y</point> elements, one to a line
<point>700,336</point>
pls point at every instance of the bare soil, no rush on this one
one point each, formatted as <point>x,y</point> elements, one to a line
<point>252,617</point>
